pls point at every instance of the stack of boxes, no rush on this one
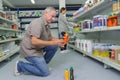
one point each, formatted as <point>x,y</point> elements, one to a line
<point>114,19</point>
<point>104,50</point>
<point>99,21</point>
<point>84,45</point>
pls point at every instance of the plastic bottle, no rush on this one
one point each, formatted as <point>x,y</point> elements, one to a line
<point>66,74</point>
<point>65,37</point>
<point>71,73</point>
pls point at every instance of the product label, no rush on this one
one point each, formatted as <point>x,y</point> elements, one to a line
<point>118,56</point>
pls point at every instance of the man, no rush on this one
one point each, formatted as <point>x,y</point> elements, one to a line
<point>38,40</point>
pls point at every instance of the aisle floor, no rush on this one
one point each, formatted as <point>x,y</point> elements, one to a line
<point>85,68</point>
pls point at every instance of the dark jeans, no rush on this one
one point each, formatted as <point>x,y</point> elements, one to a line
<point>38,65</point>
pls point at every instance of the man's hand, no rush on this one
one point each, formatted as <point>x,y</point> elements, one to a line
<point>59,42</point>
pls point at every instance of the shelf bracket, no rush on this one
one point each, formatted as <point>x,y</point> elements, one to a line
<point>106,66</point>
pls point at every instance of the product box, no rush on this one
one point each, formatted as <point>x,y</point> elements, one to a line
<point>87,24</point>
<point>116,7</point>
<point>117,56</point>
<point>2,14</point>
<point>9,15</point>
<point>112,21</point>
<point>116,50</point>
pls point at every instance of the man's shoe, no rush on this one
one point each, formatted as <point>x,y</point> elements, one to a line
<point>50,69</point>
<point>63,51</point>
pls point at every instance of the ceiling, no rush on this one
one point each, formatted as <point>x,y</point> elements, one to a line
<point>39,3</point>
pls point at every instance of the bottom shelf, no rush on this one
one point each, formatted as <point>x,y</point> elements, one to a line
<point>106,61</point>
<point>8,55</point>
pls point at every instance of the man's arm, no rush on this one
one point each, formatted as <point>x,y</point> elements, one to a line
<point>52,38</point>
<point>38,42</point>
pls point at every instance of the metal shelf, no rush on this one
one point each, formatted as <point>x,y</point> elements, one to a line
<point>25,22</point>
<point>8,21</point>
<point>101,29</point>
<point>29,22</point>
<point>3,32</point>
<point>8,40</point>
<point>102,5</point>
<point>8,29</point>
<point>103,60</point>
<point>9,54</point>
<point>28,17</point>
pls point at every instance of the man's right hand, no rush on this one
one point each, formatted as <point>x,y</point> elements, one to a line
<point>59,42</point>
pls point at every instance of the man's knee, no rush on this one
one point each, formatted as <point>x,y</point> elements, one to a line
<point>54,47</point>
<point>45,73</point>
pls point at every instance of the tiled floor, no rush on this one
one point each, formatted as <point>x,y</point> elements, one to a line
<point>85,68</point>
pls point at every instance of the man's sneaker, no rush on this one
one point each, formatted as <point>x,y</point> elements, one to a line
<point>63,51</point>
<point>50,69</point>
<point>67,51</point>
<point>16,72</point>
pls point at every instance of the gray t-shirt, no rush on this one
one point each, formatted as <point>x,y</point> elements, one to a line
<point>41,30</point>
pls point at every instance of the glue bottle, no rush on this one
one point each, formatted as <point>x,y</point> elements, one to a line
<point>66,74</point>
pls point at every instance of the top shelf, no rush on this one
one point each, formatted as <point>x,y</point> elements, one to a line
<point>101,6</point>
<point>8,21</point>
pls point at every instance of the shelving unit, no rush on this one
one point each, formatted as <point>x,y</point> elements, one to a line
<point>96,9</point>
<point>103,35</point>
<point>9,38</point>
<point>8,29</point>
<point>8,21</point>
<point>8,55</point>
<point>106,61</point>
<point>15,39</point>
<point>101,30</point>
<point>31,17</point>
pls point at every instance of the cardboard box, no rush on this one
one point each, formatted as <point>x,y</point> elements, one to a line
<point>114,7</point>
<point>118,6</point>
<point>117,58</point>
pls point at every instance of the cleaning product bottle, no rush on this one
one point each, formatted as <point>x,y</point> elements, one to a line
<point>65,37</point>
<point>66,74</point>
<point>71,73</point>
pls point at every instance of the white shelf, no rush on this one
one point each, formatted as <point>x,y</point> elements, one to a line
<point>103,60</point>
<point>100,6</point>
<point>111,63</point>
<point>8,40</point>
<point>101,29</point>
<point>9,54</point>
<point>7,29</point>
<point>8,21</point>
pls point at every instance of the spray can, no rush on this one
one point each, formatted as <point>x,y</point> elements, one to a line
<point>71,73</point>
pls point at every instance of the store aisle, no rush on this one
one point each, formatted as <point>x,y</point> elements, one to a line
<point>85,68</point>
